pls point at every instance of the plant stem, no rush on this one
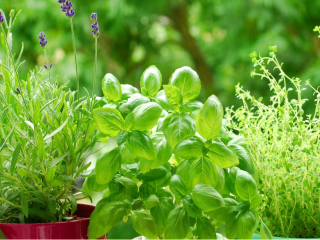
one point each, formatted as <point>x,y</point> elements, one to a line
<point>45,53</point>
<point>75,57</point>
<point>95,69</point>
<point>10,203</point>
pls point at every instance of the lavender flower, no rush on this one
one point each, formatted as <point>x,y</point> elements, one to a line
<point>1,18</point>
<point>18,90</point>
<point>67,8</point>
<point>48,67</point>
<point>95,25</point>
<point>94,17</point>
<point>43,42</point>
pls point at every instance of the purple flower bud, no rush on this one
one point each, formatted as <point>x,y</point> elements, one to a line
<point>43,42</point>
<point>1,18</point>
<point>45,66</point>
<point>18,90</point>
<point>94,17</point>
<point>67,8</point>
<point>61,1</point>
<point>48,67</point>
<point>95,26</point>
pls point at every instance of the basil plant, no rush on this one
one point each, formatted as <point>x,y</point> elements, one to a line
<point>176,172</point>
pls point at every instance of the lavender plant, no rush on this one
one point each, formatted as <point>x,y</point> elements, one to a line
<point>46,133</point>
<point>284,144</point>
<point>176,172</point>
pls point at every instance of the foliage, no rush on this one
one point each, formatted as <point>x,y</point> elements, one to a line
<point>46,135</point>
<point>174,170</point>
<point>284,144</point>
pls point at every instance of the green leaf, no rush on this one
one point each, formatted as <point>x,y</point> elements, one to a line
<point>193,108</point>
<point>264,231</point>
<point>111,88</point>
<point>209,119</point>
<point>231,228</point>
<point>144,224</point>
<point>207,198</point>
<point>178,126</point>
<point>246,224</point>
<point>126,155</point>
<point>187,80</point>
<point>134,101</point>
<point>109,121</point>
<point>162,100</point>
<point>153,175</point>
<point>57,130</point>
<point>24,205</point>
<point>183,170</point>
<point>245,185</point>
<point>202,171</point>
<point>141,146</point>
<point>221,155</point>
<point>191,208</point>
<point>161,213</point>
<point>206,229</point>
<point>256,201</point>
<point>189,148</point>
<point>50,174</point>
<point>130,185</point>
<point>146,116</point>
<point>163,151</point>
<point>231,180</point>
<point>52,205</point>
<point>245,161</point>
<point>128,123</point>
<point>122,137</point>
<point>14,159</point>
<point>41,214</point>
<point>151,81</point>
<point>107,166</point>
<point>226,213</point>
<point>91,185</point>
<point>177,224</point>
<point>128,91</point>
<point>151,201</point>
<point>174,96</point>
<point>178,186</point>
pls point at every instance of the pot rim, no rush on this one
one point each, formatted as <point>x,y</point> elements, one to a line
<point>53,223</point>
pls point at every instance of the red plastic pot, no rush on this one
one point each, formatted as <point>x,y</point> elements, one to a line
<point>76,229</point>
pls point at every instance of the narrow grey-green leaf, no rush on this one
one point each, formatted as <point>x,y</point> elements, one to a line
<point>14,159</point>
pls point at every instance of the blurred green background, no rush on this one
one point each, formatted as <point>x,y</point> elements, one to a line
<point>214,37</point>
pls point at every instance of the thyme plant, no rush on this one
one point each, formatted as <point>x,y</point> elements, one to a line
<point>174,170</point>
<point>284,144</point>
<point>46,134</point>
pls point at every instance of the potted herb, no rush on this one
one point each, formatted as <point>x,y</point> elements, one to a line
<point>284,144</point>
<point>46,133</point>
<point>175,171</point>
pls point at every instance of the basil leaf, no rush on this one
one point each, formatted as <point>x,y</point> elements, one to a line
<point>177,225</point>
<point>209,119</point>
<point>144,224</point>
<point>264,231</point>
<point>245,161</point>
<point>178,186</point>
<point>111,88</point>
<point>151,81</point>
<point>246,187</point>
<point>140,145</point>
<point>163,101</point>
<point>183,170</point>
<point>229,211</point>
<point>109,121</point>
<point>130,185</point>
<point>256,201</point>
<point>161,213</point>
<point>207,198</point>
<point>178,126</point>
<point>135,100</point>
<point>163,151</point>
<point>231,230</point>
<point>146,116</point>
<point>126,155</point>
<point>92,185</point>
<point>231,180</point>
<point>246,224</point>
<point>193,108</point>
<point>202,171</point>
<point>153,175</point>
<point>107,166</point>
<point>221,155</point>
<point>187,80</point>
<point>128,91</point>
<point>174,96</point>
<point>122,137</point>
<point>189,148</point>
<point>191,208</point>
<point>151,201</point>
<point>206,229</point>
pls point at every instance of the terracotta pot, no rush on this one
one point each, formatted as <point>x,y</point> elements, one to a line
<point>76,229</point>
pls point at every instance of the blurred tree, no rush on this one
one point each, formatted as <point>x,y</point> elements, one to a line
<point>214,37</point>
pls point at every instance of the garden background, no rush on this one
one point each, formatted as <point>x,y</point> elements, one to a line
<point>214,37</point>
